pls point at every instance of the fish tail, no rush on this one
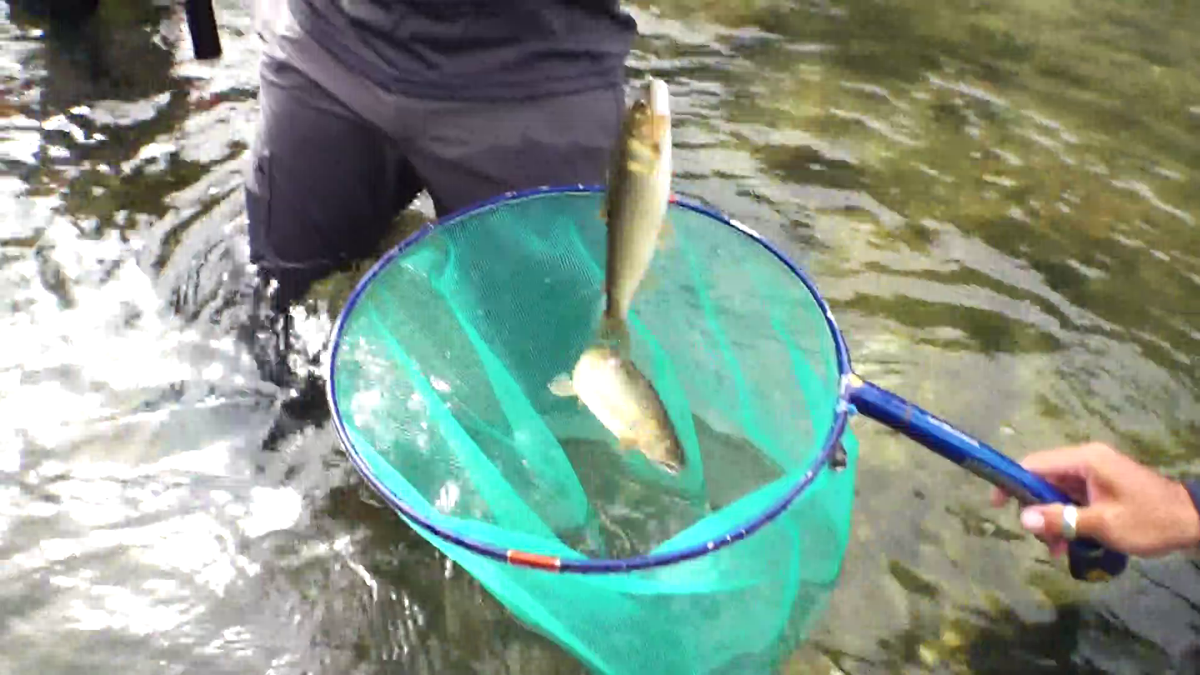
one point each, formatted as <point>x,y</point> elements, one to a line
<point>614,330</point>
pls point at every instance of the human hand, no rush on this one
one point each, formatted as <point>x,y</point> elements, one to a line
<point>1124,505</point>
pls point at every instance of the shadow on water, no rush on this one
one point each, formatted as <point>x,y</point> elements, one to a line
<point>1068,634</point>
<point>998,644</point>
<point>371,596</point>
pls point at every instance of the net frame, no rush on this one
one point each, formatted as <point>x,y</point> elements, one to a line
<point>821,462</point>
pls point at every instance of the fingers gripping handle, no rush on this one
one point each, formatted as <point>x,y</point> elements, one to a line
<point>1088,560</point>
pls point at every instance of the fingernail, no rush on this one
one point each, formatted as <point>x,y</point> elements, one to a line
<point>1032,521</point>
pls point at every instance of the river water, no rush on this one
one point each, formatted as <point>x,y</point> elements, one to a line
<point>998,199</point>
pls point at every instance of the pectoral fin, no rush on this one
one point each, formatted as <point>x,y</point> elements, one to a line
<point>562,385</point>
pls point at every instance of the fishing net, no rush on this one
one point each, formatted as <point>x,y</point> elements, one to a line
<point>440,386</point>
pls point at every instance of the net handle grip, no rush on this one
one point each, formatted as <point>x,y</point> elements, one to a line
<point>1087,559</point>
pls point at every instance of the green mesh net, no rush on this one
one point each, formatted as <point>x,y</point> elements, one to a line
<point>440,383</point>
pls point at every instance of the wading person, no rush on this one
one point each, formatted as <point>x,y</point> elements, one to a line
<point>364,103</point>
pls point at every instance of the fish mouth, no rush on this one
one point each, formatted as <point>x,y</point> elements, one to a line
<point>672,468</point>
<point>658,101</point>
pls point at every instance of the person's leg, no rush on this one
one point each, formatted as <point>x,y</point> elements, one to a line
<point>470,152</point>
<point>324,184</point>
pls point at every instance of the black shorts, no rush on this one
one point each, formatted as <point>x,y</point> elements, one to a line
<point>327,181</point>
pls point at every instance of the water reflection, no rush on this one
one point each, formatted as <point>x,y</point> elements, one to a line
<point>996,198</point>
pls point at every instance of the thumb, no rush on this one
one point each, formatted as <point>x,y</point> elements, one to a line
<point>1046,520</point>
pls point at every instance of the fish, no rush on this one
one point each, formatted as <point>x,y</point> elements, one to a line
<point>605,377</point>
<point>625,402</point>
<point>636,202</point>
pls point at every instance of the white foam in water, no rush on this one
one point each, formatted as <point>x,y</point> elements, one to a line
<point>119,465</point>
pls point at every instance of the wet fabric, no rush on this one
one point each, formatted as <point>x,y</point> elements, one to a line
<point>337,157</point>
<point>479,50</point>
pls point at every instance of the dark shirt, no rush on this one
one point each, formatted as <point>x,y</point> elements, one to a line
<point>474,49</point>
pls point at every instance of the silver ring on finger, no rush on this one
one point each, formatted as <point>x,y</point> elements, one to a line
<point>1070,517</point>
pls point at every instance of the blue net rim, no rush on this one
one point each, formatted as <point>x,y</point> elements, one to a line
<point>592,565</point>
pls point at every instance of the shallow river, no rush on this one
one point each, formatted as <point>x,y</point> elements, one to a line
<point>999,200</point>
